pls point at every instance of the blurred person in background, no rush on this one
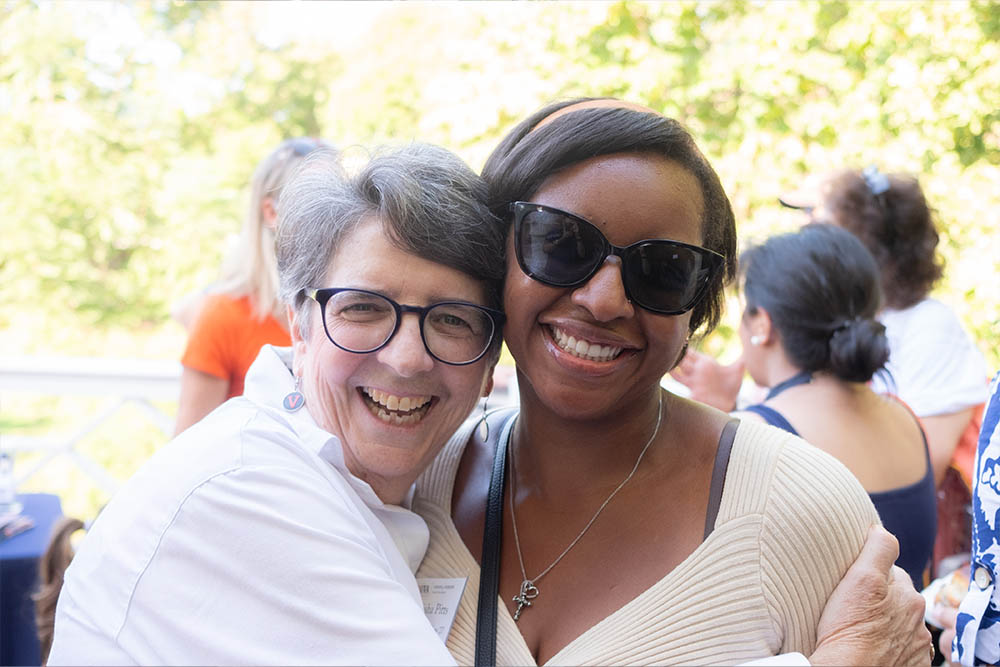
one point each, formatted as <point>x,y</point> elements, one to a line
<point>230,321</point>
<point>934,366</point>
<point>810,337</point>
<point>278,529</point>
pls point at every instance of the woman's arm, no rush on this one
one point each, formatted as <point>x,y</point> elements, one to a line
<point>943,433</point>
<point>200,394</point>
<point>874,616</point>
<point>207,360</point>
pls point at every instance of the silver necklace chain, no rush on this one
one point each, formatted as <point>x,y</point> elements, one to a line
<point>529,591</point>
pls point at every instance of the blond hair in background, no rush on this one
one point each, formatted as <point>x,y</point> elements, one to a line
<point>250,268</point>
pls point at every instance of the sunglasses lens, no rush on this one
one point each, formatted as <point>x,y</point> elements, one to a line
<point>559,249</point>
<point>665,277</point>
<point>556,249</point>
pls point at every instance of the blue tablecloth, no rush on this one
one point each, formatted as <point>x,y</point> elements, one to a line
<point>19,579</point>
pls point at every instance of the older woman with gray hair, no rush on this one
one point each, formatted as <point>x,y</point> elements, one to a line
<point>278,529</point>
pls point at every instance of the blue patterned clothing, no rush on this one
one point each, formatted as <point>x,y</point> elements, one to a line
<point>977,630</point>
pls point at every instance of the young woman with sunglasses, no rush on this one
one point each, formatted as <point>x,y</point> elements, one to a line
<point>638,527</point>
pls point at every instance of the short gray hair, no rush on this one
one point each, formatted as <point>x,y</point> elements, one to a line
<point>430,203</point>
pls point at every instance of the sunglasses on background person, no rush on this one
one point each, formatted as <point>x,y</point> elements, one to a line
<point>560,249</point>
<point>362,321</point>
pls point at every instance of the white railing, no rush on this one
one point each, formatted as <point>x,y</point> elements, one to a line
<point>122,382</point>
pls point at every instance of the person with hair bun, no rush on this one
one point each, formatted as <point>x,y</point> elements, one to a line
<point>934,366</point>
<point>810,336</point>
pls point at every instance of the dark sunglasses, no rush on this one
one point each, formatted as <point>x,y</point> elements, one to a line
<point>564,250</point>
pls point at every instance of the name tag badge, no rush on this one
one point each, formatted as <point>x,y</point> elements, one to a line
<point>441,598</point>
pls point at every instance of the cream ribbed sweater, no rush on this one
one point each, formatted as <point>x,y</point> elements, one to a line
<point>791,521</point>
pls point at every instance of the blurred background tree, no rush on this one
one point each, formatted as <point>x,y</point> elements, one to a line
<point>130,130</point>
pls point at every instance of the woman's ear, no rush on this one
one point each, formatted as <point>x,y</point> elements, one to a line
<point>268,213</point>
<point>298,340</point>
<point>488,380</point>
<point>759,325</point>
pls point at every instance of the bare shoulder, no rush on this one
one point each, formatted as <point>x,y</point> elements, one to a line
<point>695,418</point>
<point>694,434</point>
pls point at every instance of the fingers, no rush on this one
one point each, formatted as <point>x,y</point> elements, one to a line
<point>913,607</point>
<point>683,371</point>
<point>739,366</point>
<point>880,552</point>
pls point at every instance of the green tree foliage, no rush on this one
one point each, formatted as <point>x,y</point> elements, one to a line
<point>129,131</point>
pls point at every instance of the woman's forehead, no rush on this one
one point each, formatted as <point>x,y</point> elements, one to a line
<point>368,258</point>
<point>630,197</point>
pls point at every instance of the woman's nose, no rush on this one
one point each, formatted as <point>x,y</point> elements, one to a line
<point>604,294</point>
<point>406,353</point>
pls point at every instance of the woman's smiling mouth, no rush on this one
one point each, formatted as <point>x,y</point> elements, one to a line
<point>396,410</point>
<point>578,347</point>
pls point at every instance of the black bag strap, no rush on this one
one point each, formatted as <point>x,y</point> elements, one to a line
<point>719,474</point>
<point>489,573</point>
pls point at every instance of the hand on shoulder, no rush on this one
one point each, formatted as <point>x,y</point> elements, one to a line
<point>874,616</point>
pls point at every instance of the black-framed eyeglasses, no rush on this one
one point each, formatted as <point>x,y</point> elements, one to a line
<point>564,250</point>
<point>362,321</point>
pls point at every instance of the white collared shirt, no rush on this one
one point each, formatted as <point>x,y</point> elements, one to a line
<point>246,540</point>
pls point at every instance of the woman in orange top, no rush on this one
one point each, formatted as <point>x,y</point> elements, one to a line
<point>241,312</point>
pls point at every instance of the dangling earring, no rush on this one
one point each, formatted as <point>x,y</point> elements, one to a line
<point>294,399</point>
<point>756,340</point>
<point>483,427</point>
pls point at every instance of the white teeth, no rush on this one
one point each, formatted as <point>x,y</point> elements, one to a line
<point>391,408</point>
<point>583,349</point>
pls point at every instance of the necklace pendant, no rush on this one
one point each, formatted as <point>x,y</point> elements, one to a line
<point>523,599</point>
